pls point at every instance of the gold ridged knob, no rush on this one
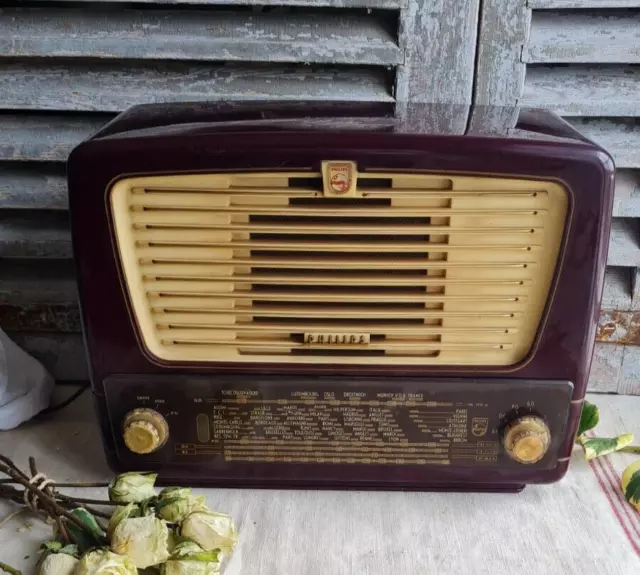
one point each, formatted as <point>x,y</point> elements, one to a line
<point>145,431</point>
<point>527,439</point>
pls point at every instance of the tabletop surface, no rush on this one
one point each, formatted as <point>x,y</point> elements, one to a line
<point>579,525</point>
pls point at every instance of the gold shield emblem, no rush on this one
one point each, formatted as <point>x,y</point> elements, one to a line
<point>479,426</point>
<point>339,178</point>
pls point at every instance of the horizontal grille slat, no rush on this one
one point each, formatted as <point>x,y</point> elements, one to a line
<point>381,280</point>
<point>209,312</point>
<point>266,267</point>
<point>178,337</point>
<point>341,246</point>
<point>295,327</point>
<point>353,230</point>
<point>386,297</point>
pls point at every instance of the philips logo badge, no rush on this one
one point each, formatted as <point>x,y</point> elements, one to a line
<point>339,178</point>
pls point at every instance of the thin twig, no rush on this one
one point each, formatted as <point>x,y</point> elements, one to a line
<point>82,484</point>
<point>17,496</point>
<point>11,481</point>
<point>14,467</point>
<point>9,569</point>
<point>94,501</point>
<point>8,470</point>
<point>62,529</point>
<point>51,492</point>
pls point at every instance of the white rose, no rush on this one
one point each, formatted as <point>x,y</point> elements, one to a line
<point>103,562</point>
<point>210,530</point>
<point>132,487</point>
<point>144,539</point>
<point>58,564</point>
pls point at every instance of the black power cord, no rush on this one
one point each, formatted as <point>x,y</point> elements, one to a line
<point>84,385</point>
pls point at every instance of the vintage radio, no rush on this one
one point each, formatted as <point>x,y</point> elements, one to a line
<point>327,296</point>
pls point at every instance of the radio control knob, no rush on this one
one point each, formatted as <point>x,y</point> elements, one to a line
<point>145,431</point>
<point>526,439</point>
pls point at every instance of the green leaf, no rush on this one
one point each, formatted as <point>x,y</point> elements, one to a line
<point>599,446</point>
<point>91,536</point>
<point>206,556</point>
<point>51,546</point>
<point>589,418</point>
<point>147,506</point>
<point>632,492</point>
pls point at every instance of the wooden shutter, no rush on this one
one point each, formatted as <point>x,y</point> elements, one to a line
<point>582,59</point>
<point>67,67</point>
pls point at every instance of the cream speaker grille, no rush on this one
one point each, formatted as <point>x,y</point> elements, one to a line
<point>268,267</point>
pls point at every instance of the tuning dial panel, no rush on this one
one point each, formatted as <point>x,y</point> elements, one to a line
<point>526,439</point>
<point>145,431</point>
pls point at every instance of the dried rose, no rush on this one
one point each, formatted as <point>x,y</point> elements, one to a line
<point>103,562</point>
<point>144,539</point>
<point>210,530</point>
<point>132,487</point>
<point>175,503</point>
<point>58,564</point>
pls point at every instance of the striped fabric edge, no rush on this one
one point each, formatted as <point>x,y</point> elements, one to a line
<point>628,517</point>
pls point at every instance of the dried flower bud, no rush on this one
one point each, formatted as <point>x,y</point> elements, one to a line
<point>175,503</point>
<point>144,539</point>
<point>103,562</point>
<point>210,530</point>
<point>132,487</point>
<point>58,564</point>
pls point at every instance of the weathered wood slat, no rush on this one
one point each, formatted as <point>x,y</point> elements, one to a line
<point>504,26</point>
<point>62,354</point>
<point>559,4</point>
<point>24,281</point>
<point>584,90</point>
<point>111,86</point>
<point>619,136</point>
<point>606,367</point>
<point>629,383</point>
<point>26,186</point>
<point>34,234</point>
<point>624,246</point>
<point>45,137</point>
<point>325,37</point>
<point>438,38</point>
<point>617,289</point>
<point>635,289</point>
<point>41,317</point>
<point>568,37</point>
<point>310,3</point>
<point>626,203</point>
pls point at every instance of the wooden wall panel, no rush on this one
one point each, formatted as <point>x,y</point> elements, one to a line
<point>581,58</point>
<point>67,67</point>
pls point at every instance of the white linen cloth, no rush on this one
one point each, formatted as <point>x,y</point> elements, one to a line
<point>25,385</point>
